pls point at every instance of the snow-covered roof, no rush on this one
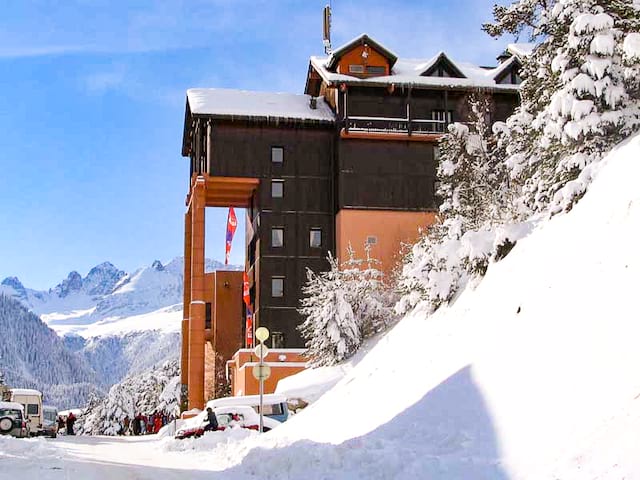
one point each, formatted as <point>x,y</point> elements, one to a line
<point>25,391</point>
<point>238,104</point>
<point>521,49</point>
<point>360,39</point>
<point>11,405</point>
<point>249,400</point>
<point>408,72</point>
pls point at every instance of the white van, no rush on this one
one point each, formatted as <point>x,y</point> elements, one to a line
<point>274,404</point>
<point>31,400</point>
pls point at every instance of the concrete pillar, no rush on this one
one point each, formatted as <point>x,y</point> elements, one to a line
<point>186,301</point>
<point>197,309</point>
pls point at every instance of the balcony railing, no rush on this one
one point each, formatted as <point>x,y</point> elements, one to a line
<point>395,125</point>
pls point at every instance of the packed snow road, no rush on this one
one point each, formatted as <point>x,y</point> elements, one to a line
<point>97,458</point>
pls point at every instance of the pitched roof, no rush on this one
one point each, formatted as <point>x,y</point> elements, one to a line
<point>360,40</point>
<point>408,72</point>
<point>438,59</point>
<point>242,104</point>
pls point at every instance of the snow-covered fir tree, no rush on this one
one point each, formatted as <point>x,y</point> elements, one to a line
<point>155,391</point>
<point>477,197</point>
<point>579,95</point>
<point>342,306</point>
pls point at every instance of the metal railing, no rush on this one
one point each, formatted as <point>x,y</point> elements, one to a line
<point>395,125</point>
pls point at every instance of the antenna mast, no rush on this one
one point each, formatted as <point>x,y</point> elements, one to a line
<point>326,30</point>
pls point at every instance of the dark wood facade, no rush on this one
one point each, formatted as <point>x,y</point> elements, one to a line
<point>379,152</point>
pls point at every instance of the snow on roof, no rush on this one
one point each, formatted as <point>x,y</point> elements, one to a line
<point>249,400</point>
<point>228,103</point>
<point>362,38</point>
<point>521,49</point>
<point>25,391</point>
<point>407,72</point>
<point>11,405</point>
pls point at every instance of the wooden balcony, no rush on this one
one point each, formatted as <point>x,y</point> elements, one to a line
<point>397,126</point>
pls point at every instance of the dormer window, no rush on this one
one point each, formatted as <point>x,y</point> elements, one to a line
<point>375,70</point>
<point>359,69</point>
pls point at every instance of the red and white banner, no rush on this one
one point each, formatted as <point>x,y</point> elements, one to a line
<point>249,328</point>
<point>232,224</point>
<point>246,296</point>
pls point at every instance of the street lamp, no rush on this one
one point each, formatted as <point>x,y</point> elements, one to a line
<point>261,371</point>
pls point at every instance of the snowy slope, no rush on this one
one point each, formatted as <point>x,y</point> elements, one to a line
<point>539,361</point>
<point>533,374</point>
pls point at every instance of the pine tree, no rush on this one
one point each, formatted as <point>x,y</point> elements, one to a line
<point>579,95</point>
<point>342,307</point>
<point>330,327</point>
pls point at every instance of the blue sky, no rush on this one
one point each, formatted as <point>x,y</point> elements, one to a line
<point>92,109</point>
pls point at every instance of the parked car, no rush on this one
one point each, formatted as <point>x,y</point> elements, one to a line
<point>274,404</point>
<point>32,402</point>
<point>228,417</point>
<point>50,421</point>
<point>12,420</point>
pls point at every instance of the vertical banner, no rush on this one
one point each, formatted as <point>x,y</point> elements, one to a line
<point>249,328</point>
<point>246,296</point>
<point>232,223</point>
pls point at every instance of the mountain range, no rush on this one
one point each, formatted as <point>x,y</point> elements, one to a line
<point>109,324</point>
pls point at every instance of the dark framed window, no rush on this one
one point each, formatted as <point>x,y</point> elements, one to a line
<point>277,236</point>
<point>277,188</point>
<point>33,409</point>
<point>207,315</point>
<point>372,240</point>
<point>356,68</point>
<point>277,286</point>
<point>376,70</point>
<point>277,155</point>
<point>277,340</point>
<point>315,237</point>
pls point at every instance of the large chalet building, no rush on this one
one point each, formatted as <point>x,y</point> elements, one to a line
<point>352,161</point>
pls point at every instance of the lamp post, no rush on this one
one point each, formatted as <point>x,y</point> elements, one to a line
<point>261,371</point>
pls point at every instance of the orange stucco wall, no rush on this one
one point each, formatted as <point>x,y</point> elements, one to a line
<point>283,362</point>
<point>390,228</point>
<point>354,57</point>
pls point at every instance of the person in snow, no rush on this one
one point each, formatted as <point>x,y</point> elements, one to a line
<point>126,425</point>
<point>136,425</point>
<point>71,420</point>
<point>61,423</point>
<point>213,421</point>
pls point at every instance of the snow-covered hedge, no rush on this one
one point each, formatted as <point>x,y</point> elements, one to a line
<point>156,390</point>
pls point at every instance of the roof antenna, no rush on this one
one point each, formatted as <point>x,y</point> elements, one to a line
<point>326,30</point>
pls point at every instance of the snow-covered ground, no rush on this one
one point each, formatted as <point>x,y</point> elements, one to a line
<point>532,374</point>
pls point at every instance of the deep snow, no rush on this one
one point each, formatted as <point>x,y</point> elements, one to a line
<point>532,374</point>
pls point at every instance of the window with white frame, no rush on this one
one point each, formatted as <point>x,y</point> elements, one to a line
<point>277,237</point>
<point>315,237</point>
<point>277,188</point>
<point>277,286</point>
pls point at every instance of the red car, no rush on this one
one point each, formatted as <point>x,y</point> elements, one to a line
<point>228,417</point>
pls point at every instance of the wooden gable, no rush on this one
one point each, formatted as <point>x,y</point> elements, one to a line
<point>443,67</point>
<point>362,57</point>
<point>510,74</point>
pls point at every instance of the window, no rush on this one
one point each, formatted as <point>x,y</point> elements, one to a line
<point>356,68</point>
<point>277,155</point>
<point>436,153</point>
<point>372,240</point>
<point>277,340</point>
<point>32,409</point>
<point>376,70</point>
<point>277,188</point>
<point>315,238</point>
<point>442,115</point>
<point>207,316</point>
<point>277,286</point>
<point>277,237</point>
